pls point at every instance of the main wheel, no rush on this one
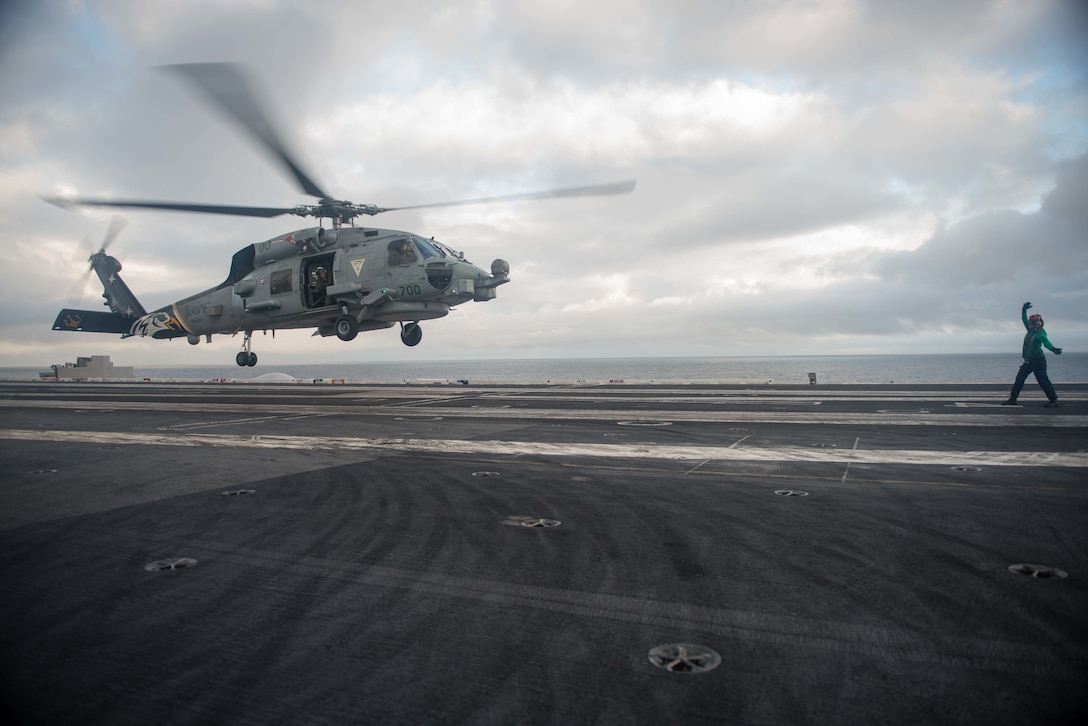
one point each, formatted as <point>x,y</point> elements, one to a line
<point>411,334</point>
<point>252,360</point>
<point>347,327</point>
<point>242,358</point>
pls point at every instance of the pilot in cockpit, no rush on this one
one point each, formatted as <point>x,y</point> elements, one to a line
<point>401,252</point>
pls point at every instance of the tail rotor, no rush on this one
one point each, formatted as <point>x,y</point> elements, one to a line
<point>98,261</point>
<point>80,289</point>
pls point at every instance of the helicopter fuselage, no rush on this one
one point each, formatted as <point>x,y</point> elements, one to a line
<point>338,281</point>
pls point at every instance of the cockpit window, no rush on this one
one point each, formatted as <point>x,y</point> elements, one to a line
<point>401,252</point>
<point>427,249</point>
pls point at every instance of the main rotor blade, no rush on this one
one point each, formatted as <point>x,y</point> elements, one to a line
<point>177,207</point>
<point>623,187</point>
<point>226,85</point>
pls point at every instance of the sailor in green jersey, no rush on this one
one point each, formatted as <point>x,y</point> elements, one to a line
<point>1034,359</point>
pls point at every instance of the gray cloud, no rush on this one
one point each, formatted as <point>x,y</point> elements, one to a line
<point>1042,250</point>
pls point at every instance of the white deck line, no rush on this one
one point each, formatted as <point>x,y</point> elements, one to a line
<point>568,450</point>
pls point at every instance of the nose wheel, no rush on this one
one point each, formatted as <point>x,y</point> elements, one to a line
<point>246,357</point>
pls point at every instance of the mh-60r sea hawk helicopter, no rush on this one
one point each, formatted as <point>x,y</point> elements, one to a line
<point>340,281</point>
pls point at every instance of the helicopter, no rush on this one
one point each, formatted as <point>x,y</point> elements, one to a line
<point>340,280</point>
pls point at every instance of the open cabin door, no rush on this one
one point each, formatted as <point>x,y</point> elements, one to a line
<point>317,277</point>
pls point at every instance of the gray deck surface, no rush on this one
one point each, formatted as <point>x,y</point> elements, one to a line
<point>362,555</point>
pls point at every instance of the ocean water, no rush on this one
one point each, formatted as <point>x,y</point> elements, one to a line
<point>974,368</point>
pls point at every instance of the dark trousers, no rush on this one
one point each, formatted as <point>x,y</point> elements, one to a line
<point>1037,366</point>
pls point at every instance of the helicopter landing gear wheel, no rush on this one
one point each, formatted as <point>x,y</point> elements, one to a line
<point>246,357</point>
<point>347,327</point>
<point>411,334</point>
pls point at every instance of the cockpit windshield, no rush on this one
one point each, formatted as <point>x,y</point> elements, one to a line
<point>426,249</point>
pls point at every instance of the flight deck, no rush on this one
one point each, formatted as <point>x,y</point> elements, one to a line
<point>248,553</point>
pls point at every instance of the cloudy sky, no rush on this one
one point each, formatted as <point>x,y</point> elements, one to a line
<point>814,176</point>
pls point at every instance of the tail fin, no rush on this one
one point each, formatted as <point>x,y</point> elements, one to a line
<point>125,309</point>
<point>118,297</point>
